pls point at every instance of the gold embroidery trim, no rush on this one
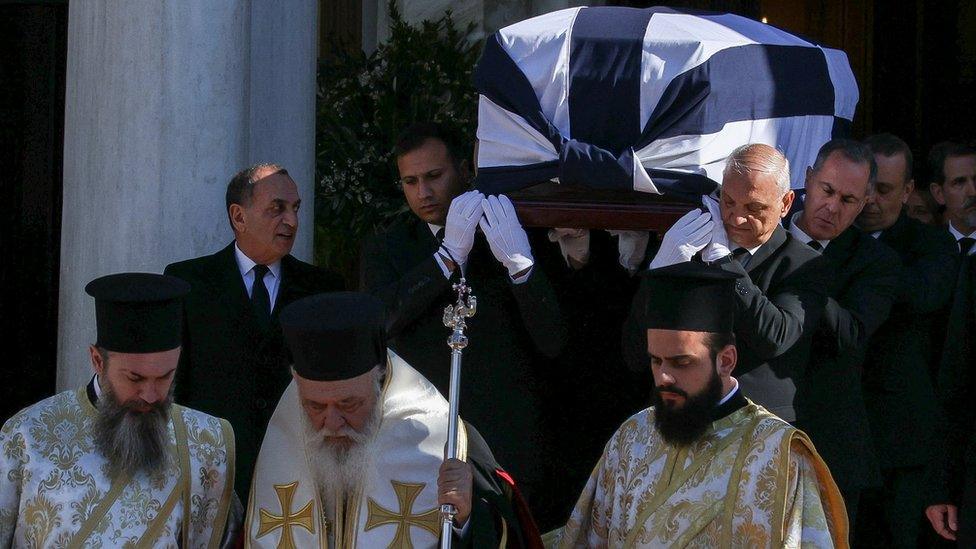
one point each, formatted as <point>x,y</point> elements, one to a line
<point>305,517</point>
<point>218,533</point>
<point>829,494</point>
<point>406,494</point>
<point>677,481</point>
<point>735,478</point>
<point>183,453</point>
<point>156,526</point>
<point>503,542</point>
<point>118,484</point>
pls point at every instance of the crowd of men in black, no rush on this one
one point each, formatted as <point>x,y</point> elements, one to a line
<point>856,320</point>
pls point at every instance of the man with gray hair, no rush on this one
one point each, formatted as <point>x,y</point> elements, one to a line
<point>780,282</point>
<point>864,284</point>
<point>232,361</point>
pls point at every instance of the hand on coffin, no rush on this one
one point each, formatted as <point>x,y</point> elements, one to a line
<point>454,487</point>
<point>462,221</point>
<point>506,237</point>
<point>631,246</point>
<point>684,239</point>
<point>718,246</point>
<point>574,245</point>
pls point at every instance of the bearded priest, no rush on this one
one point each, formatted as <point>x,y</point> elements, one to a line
<point>354,453</point>
<point>116,463</point>
<point>704,467</point>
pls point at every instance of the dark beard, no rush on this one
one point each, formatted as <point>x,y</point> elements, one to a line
<point>685,426</point>
<point>129,440</point>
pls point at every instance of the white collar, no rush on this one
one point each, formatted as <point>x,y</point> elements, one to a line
<point>752,251</point>
<point>958,235</point>
<point>434,228</point>
<point>800,235</point>
<point>726,398</point>
<point>98,388</point>
<point>245,264</point>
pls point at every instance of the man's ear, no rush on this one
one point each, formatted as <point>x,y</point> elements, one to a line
<point>936,190</point>
<point>909,188</point>
<point>787,202</point>
<point>236,214</point>
<point>726,360</point>
<point>96,359</point>
<point>464,170</point>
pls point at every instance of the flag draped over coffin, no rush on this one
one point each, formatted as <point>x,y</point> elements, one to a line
<point>652,100</point>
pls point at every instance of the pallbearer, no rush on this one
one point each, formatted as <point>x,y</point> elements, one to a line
<point>116,463</point>
<point>354,453</point>
<point>705,467</point>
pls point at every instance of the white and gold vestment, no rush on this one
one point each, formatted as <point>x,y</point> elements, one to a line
<point>751,481</point>
<point>55,490</point>
<point>397,506</point>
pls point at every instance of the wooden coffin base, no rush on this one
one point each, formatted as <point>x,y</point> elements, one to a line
<point>552,205</point>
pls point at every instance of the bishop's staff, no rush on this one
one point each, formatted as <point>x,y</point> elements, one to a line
<point>454,316</point>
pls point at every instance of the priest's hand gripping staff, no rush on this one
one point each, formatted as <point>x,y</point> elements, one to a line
<point>454,316</point>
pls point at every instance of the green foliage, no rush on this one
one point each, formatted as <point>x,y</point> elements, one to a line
<point>423,73</point>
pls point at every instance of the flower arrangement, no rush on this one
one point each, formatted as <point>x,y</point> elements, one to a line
<point>422,73</point>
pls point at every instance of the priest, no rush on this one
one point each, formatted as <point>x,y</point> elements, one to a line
<point>704,466</point>
<point>116,463</point>
<point>354,453</point>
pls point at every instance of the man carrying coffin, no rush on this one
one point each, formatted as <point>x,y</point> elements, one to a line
<point>704,466</point>
<point>354,453</point>
<point>116,463</point>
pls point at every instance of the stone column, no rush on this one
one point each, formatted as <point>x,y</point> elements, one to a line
<point>164,102</point>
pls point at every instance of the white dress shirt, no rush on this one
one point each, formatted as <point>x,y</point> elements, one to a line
<point>735,387</point>
<point>958,236</point>
<point>98,388</point>
<point>272,279</point>
<point>464,268</point>
<point>803,237</point>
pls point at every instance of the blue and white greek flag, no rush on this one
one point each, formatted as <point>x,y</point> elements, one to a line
<point>652,100</point>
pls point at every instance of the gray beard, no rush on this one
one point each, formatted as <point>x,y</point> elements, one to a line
<point>132,441</point>
<point>340,470</point>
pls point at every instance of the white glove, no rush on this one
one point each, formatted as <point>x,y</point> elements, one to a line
<point>506,237</point>
<point>462,221</point>
<point>684,239</point>
<point>718,246</point>
<point>574,244</point>
<point>631,246</point>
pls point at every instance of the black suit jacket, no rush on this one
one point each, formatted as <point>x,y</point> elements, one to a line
<point>515,326</point>
<point>952,472</point>
<point>230,366</point>
<point>498,511</point>
<point>829,401</point>
<point>898,386</point>
<point>780,296</point>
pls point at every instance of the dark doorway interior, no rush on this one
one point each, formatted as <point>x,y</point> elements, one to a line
<point>33,50</point>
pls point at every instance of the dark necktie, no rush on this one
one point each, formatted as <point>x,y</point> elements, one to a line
<point>816,245</point>
<point>440,235</point>
<point>741,255</point>
<point>260,299</point>
<point>965,245</point>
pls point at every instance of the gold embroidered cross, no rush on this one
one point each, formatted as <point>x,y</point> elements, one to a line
<point>406,494</point>
<point>303,518</point>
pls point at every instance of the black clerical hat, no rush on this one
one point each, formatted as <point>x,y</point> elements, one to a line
<point>138,312</point>
<point>334,336</point>
<point>690,296</point>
